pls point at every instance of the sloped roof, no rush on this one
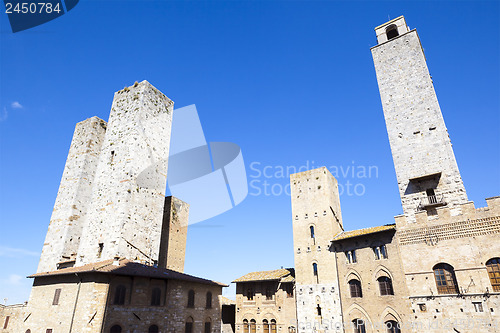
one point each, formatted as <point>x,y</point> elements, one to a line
<point>128,268</point>
<point>361,232</point>
<point>275,275</point>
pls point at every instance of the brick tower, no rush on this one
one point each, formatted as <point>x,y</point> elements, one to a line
<point>426,169</point>
<point>316,220</point>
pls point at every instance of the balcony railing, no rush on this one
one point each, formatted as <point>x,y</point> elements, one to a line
<point>432,201</point>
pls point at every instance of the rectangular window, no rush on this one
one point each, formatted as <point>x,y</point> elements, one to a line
<point>57,293</point>
<point>6,323</point>
<point>376,252</point>
<point>422,307</point>
<point>353,255</point>
<point>348,257</point>
<point>383,252</point>
<point>49,330</point>
<point>478,306</point>
<point>208,327</point>
<point>189,327</point>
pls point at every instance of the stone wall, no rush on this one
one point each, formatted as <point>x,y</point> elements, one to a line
<point>317,218</point>
<point>126,208</point>
<point>80,306</point>
<point>466,242</point>
<point>11,318</point>
<point>137,314</point>
<point>373,308</point>
<point>73,197</point>
<point>280,308</point>
<point>174,234</point>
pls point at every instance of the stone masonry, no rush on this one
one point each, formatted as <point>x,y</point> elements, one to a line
<point>73,198</point>
<point>421,148</point>
<point>316,219</point>
<point>126,209</point>
<point>174,234</point>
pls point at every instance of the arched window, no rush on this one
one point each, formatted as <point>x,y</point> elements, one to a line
<point>446,281</point>
<point>208,326</point>
<point>28,331</point>
<point>392,326</point>
<point>265,325</point>
<point>493,267</point>
<point>209,300</point>
<point>156,297</point>
<point>315,271</point>
<point>391,31</point>
<point>246,327</point>
<point>359,326</point>
<point>253,326</point>
<point>189,325</point>
<point>385,286</point>
<point>311,229</point>
<point>273,326</point>
<point>355,287</point>
<point>120,292</point>
<point>190,299</point>
<point>116,329</point>
<point>153,329</point>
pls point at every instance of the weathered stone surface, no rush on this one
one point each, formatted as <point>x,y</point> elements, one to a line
<point>316,204</point>
<point>73,198</point>
<point>417,133</point>
<point>126,209</point>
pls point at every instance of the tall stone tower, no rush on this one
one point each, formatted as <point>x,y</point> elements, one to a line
<point>125,216</point>
<point>316,220</point>
<point>426,169</point>
<point>73,198</point>
<point>174,234</point>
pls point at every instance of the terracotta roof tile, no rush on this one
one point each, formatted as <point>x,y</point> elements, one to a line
<point>277,274</point>
<point>128,268</point>
<point>361,232</point>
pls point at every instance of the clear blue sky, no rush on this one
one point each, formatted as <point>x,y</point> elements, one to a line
<point>290,82</point>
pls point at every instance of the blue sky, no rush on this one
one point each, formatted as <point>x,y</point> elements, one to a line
<point>292,83</point>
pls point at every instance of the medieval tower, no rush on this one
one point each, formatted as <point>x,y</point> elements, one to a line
<point>316,220</point>
<point>111,202</point>
<point>426,170</point>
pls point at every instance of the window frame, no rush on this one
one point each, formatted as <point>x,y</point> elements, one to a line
<point>355,288</point>
<point>446,281</point>
<point>385,286</point>
<point>493,269</point>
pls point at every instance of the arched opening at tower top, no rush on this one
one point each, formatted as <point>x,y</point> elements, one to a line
<point>391,31</point>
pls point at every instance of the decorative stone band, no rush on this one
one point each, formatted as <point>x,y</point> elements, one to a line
<point>432,235</point>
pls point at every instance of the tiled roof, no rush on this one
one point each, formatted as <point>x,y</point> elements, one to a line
<point>361,232</point>
<point>278,274</point>
<point>128,268</point>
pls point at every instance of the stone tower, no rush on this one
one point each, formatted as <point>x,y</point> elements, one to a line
<point>174,234</point>
<point>316,220</point>
<point>426,169</point>
<point>73,198</point>
<point>125,216</point>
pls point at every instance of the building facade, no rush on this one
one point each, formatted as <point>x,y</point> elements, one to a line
<point>265,302</point>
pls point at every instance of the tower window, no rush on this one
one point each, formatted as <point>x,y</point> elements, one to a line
<point>391,31</point>
<point>208,304</point>
<point>250,293</point>
<point>190,299</point>
<point>315,271</point>
<point>99,252</point>
<point>478,306</point>
<point>311,229</point>
<point>350,256</point>
<point>318,309</point>
<point>57,294</point>
<point>120,295</point>
<point>156,297</point>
